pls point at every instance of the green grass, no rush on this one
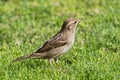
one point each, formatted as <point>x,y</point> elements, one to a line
<point>26,24</point>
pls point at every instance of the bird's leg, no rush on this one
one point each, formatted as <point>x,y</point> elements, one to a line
<point>50,61</point>
<point>56,60</point>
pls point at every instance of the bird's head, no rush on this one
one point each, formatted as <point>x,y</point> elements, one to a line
<point>70,24</point>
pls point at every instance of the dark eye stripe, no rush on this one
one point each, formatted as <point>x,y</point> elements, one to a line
<point>71,22</point>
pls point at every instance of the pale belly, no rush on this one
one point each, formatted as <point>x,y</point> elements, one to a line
<point>61,50</point>
<point>58,51</point>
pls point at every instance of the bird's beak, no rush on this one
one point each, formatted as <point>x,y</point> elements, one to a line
<point>79,20</point>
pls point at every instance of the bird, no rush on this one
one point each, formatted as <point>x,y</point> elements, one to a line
<point>56,45</point>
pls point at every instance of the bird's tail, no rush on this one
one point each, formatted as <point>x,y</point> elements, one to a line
<point>34,55</point>
<point>21,58</point>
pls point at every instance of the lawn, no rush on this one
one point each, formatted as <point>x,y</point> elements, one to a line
<point>26,24</point>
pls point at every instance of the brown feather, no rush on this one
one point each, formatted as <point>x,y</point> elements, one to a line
<point>58,44</point>
<point>55,42</point>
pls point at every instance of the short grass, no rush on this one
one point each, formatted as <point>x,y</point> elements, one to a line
<point>26,24</point>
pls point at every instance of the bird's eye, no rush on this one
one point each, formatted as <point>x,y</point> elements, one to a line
<point>75,21</point>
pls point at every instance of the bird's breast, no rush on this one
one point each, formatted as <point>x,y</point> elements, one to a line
<point>71,39</point>
<point>61,50</point>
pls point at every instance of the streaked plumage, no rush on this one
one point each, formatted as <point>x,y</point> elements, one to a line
<point>58,44</point>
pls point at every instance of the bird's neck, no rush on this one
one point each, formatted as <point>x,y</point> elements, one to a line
<point>69,32</point>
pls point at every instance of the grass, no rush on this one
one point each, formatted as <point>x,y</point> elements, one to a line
<point>25,25</point>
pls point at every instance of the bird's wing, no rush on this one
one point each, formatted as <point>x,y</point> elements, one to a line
<point>54,42</point>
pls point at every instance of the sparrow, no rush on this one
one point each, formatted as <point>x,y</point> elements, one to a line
<point>57,45</point>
